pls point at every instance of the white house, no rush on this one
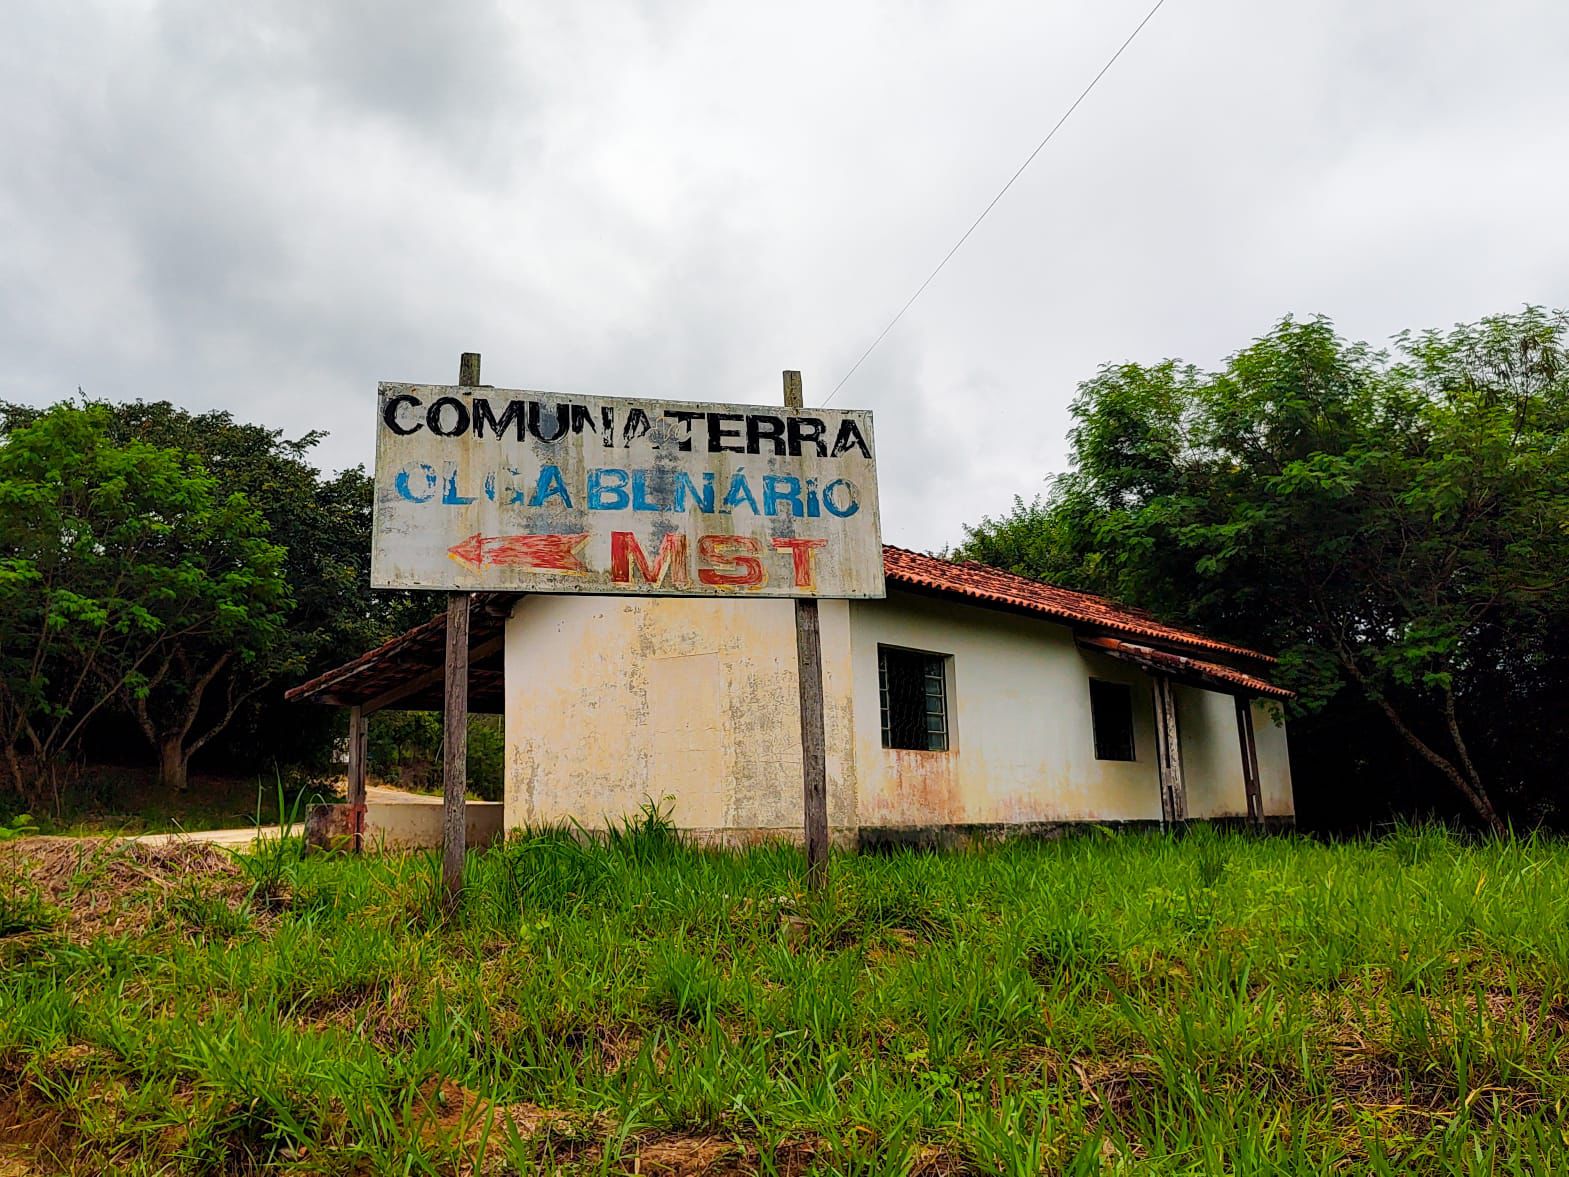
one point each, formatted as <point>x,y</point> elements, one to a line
<point>969,701</point>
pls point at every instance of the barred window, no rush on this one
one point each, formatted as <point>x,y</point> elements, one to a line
<point>1111,715</point>
<point>914,688</point>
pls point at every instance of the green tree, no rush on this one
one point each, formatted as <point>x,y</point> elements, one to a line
<point>1033,539</point>
<point>1394,525</point>
<point>113,556</point>
<point>322,523</point>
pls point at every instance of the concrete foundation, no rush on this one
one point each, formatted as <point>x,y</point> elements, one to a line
<point>400,825</point>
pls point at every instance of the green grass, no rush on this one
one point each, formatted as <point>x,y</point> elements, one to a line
<point>1104,1003</point>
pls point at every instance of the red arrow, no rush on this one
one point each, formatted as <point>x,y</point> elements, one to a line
<point>551,553</point>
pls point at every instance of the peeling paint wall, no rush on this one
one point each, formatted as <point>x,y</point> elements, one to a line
<point>614,700</point>
<point>692,703</point>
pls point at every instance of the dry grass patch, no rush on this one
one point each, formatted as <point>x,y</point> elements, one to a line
<point>103,886</point>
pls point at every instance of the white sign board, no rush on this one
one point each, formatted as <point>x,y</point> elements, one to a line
<point>486,488</point>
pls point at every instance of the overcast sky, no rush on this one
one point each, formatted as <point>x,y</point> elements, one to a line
<point>270,207</point>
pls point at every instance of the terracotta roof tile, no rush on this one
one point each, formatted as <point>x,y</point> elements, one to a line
<point>978,582</point>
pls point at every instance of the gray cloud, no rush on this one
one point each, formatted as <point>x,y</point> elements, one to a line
<point>268,208</point>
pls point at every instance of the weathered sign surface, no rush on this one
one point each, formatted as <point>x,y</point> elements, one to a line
<point>486,488</point>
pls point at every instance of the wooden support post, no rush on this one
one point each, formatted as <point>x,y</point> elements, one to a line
<point>356,782</point>
<point>1168,753</point>
<point>809,672</point>
<point>455,745</point>
<point>1250,779</point>
<point>455,713</point>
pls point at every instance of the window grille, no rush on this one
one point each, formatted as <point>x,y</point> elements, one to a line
<point>914,695</point>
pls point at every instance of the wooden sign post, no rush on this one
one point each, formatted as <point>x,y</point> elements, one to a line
<point>358,745</point>
<point>455,712</point>
<point>482,489</point>
<point>809,668</point>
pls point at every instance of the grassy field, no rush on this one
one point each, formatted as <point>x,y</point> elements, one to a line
<point>1105,1003</point>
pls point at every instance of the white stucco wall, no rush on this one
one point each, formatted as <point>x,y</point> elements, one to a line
<point>694,703</point>
<point>1022,746</point>
<point>1211,763</point>
<point>1274,760</point>
<point>690,702</point>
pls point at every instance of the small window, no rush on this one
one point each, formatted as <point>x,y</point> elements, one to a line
<point>914,691</point>
<point>1111,712</point>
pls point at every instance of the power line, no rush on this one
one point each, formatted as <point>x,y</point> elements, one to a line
<point>1000,194</point>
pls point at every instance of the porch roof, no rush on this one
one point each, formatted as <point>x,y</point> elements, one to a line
<point>1212,676</point>
<point>408,672</point>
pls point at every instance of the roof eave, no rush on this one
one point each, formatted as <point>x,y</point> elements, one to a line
<point>1075,622</point>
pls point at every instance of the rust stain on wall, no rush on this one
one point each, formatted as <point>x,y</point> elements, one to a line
<point>925,787</point>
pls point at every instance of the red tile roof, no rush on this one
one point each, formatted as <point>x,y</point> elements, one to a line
<point>993,586</point>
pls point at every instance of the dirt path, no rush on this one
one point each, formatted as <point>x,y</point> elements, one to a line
<point>387,793</point>
<point>243,837</point>
<point>236,839</point>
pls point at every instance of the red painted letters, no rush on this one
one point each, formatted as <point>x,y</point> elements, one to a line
<point>744,571</point>
<point>801,553</point>
<point>625,552</point>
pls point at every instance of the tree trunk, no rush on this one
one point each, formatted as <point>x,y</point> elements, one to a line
<point>13,764</point>
<point>1476,795</point>
<point>172,763</point>
<point>1472,790</point>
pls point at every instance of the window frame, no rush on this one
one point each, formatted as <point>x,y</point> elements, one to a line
<point>936,672</point>
<point>1100,741</point>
